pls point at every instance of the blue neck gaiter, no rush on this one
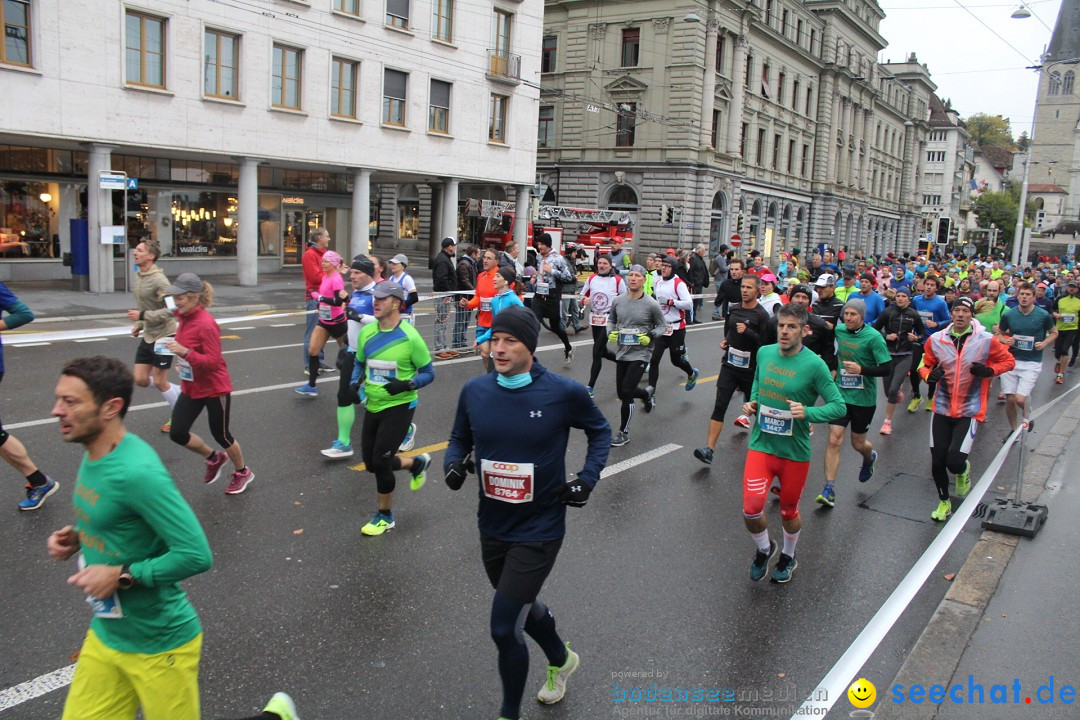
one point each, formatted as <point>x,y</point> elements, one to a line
<point>514,381</point>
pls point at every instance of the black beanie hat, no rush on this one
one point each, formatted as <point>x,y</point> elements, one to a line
<point>519,322</point>
<point>508,273</point>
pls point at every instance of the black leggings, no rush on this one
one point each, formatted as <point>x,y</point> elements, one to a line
<point>551,310</point>
<point>600,352</point>
<point>187,410</point>
<point>675,344</point>
<point>382,435</point>
<point>916,359</point>
<point>893,383</point>
<point>345,363</point>
<point>950,443</point>
<point>627,378</point>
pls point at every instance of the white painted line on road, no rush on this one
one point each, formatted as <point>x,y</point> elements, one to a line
<point>638,460</point>
<point>260,349</point>
<point>92,340</point>
<point>37,687</point>
<point>282,324</point>
<point>834,685</point>
<point>245,327</point>
<point>32,344</point>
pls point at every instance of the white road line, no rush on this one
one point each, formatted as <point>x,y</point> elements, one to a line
<point>638,460</point>
<point>246,327</point>
<point>31,344</point>
<point>260,349</point>
<point>35,688</point>
<point>282,324</point>
<point>92,340</point>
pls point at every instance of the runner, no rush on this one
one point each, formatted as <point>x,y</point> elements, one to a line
<point>330,297</point>
<point>398,263</point>
<point>395,363</point>
<point>730,291</point>
<point>311,262</point>
<point>828,307</point>
<point>675,301</point>
<point>551,276</point>
<point>743,331</point>
<point>518,423</point>
<point>39,486</point>
<point>360,312</point>
<point>154,321</point>
<point>902,327</point>
<point>861,353</point>
<point>1066,312</point>
<point>787,383</point>
<point>204,383</point>
<point>960,359</point>
<point>770,299</point>
<point>935,314</point>
<point>505,296</point>
<point>597,294</point>
<point>481,299</point>
<point>1027,330</point>
<point>635,321</point>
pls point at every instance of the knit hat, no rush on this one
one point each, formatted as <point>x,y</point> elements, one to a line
<point>804,289</point>
<point>965,301</point>
<point>508,273</point>
<point>857,305</point>
<point>519,322</point>
<point>637,269</point>
<point>332,257</point>
<point>363,263</point>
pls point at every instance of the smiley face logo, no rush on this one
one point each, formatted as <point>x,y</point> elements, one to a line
<point>862,693</point>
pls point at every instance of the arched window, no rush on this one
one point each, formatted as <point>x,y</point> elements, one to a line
<point>716,223</point>
<point>1067,85</point>
<point>623,197</point>
<point>408,206</point>
<point>1055,83</point>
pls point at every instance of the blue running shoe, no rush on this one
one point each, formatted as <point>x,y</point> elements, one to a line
<point>760,565</point>
<point>785,566</point>
<point>418,471</point>
<point>308,390</point>
<point>410,439</point>
<point>692,380</point>
<point>867,470</point>
<point>35,496</point>
<point>338,449</point>
<point>827,497</point>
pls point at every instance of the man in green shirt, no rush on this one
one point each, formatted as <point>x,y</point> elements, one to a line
<point>862,356</point>
<point>394,362</point>
<point>788,380</point>
<point>1066,310</point>
<point>990,318</point>
<point>1027,330</point>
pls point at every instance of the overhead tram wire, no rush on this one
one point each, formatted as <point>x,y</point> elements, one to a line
<point>993,31</point>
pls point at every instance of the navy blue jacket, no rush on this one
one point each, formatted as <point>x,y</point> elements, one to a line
<point>523,425</point>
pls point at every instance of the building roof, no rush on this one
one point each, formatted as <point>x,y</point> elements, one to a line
<point>1001,158</point>
<point>939,115</point>
<point>1065,42</point>
<point>1045,188</point>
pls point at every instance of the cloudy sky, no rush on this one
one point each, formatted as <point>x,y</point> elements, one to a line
<point>979,67</point>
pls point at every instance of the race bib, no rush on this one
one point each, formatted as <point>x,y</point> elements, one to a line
<point>161,346</point>
<point>926,315</point>
<point>1024,342</point>
<point>381,372</point>
<point>543,288</point>
<point>507,482</point>
<point>324,312</point>
<point>485,304</point>
<point>738,358</point>
<point>629,336</point>
<point>775,421</point>
<point>671,328</point>
<point>183,369</point>
<point>1068,319</point>
<point>850,381</point>
<point>108,608</point>
<point>597,319</point>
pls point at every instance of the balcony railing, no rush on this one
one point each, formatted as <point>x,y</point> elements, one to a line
<point>504,67</point>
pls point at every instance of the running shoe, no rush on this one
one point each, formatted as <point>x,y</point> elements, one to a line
<point>282,705</point>
<point>650,402</point>
<point>419,471</point>
<point>569,357</point>
<point>1029,425</point>
<point>1001,398</point>
<point>167,427</point>
<point>309,390</point>
<point>944,510</point>
<point>886,428</point>
<point>1060,379</point>
<point>963,480</point>
<point>378,524</point>
<point>760,564</point>
<point>785,566</point>
<point>239,481</point>
<point>323,367</point>
<point>619,439</point>
<point>214,463</point>
<point>590,392</point>
<point>692,380</point>
<point>35,496</point>
<point>915,404</point>
<point>555,686</point>
<point>704,454</point>
<point>743,422</point>
<point>827,497</point>
<point>930,406</point>
<point>338,449</point>
<point>410,439</point>
<point>867,470</point>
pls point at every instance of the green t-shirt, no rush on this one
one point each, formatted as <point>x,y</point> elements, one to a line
<point>389,354</point>
<point>1026,330</point>
<point>129,512</point>
<point>803,378</point>
<point>843,293</point>
<point>867,348</point>
<point>992,317</point>
<point>1069,308</point>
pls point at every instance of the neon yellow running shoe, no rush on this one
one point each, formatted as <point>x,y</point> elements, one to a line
<point>378,524</point>
<point>914,404</point>
<point>282,705</point>
<point>944,510</point>
<point>419,471</point>
<point>963,480</point>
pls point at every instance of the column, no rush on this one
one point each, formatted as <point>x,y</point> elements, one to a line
<point>738,92</point>
<point>522,219</point>
<point>247,234</point>
<point>450,208</point>
<point>99,213</point>
<point>708,89</point>
<point>68,204</point>
<point>359,235</point>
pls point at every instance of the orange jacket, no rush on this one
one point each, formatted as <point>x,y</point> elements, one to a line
<point>485,291</point>
<point>961,394</point>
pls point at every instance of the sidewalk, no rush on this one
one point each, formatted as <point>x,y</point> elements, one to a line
<point>1011,612</point>
<point>55,301</point>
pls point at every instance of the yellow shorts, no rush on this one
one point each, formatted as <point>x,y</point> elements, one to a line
<point>112,685</point>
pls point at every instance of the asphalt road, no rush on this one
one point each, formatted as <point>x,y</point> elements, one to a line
<point>652,578</point>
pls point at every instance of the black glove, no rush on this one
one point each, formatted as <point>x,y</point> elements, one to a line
<point>356,390</point>
<point>575,493</point>
<point>936,374</point>
<point>396,386</point>
<point>456,472</point>
<point>981,370</point>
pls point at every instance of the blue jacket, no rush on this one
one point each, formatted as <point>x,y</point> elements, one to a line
<point>531,424</point>
<point>936,310</point>
<point>505,299</point>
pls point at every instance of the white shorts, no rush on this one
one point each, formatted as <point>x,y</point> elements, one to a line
<point>1021,379</point>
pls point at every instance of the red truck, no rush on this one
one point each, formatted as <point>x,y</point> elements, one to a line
<point>593,229</point>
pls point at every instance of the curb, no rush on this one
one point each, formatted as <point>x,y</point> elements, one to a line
<point>122,315</point>
<point>937,653</point>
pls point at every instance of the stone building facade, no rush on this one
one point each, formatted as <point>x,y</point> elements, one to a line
<point>948,166</point>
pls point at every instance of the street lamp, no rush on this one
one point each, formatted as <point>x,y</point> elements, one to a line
<point>1021,12</point>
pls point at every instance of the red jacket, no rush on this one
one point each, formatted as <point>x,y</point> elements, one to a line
<point>313,274</point>
<point>200,334</point>
<point>485,291</point>
<point>961,394</point>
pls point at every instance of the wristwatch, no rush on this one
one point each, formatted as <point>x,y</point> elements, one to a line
<point>126,580</point>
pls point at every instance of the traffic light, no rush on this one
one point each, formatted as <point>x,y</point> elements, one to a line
<point>669,216</point>
<point>944,228</point>
<point>664,214</point>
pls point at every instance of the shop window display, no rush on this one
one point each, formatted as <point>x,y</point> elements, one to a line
<point>28,222</point>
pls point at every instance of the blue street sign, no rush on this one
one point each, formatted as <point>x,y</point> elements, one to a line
<point>132,183</point>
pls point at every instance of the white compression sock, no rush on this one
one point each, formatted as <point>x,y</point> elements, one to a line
<point>171,394</point>
<point>762,540</point>
<point>789,543</point>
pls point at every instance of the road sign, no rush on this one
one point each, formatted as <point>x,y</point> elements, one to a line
<point>1072,248</point>
<point>736,241</point>
<point>970,249</point>
<point>132,183</point>
<point>929,237</point>
<point>112,181</point>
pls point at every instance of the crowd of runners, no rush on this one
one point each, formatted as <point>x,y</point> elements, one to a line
<point>802,346</point>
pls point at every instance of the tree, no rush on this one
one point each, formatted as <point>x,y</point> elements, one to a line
<point>1023,142</point>
<point>1000,209</point>
<point>990,131</point>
